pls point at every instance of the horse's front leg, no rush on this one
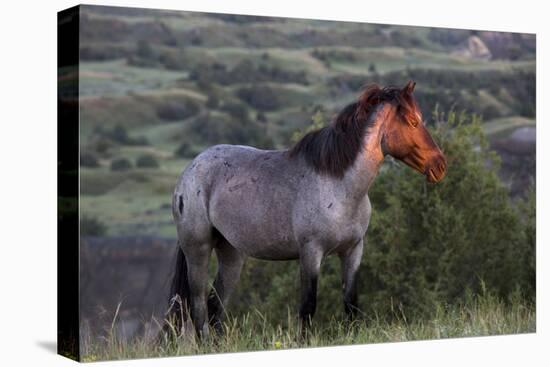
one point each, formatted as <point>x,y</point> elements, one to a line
<point>310,263</point>
<point>350,261</point>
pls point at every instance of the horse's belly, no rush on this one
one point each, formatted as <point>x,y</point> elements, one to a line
<point>257,228</point>
<point>280,251</point>
<point>254,240</point>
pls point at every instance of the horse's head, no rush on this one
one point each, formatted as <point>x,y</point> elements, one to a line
<point>406,138</point>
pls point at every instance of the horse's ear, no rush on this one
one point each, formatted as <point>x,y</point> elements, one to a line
<point>409,88</point>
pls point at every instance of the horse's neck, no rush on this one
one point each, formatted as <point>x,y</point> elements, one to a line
<point>367,164</point>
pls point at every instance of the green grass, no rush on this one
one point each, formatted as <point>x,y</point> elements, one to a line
<point>288,59</point>
<point>117,78</point>
<point>481,316</point>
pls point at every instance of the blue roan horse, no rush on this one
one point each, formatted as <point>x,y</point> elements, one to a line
<point>303,203</point>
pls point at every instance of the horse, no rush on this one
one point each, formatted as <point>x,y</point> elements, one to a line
<point>303,203</point>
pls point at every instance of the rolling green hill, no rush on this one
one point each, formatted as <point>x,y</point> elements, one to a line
<point>164,85</point>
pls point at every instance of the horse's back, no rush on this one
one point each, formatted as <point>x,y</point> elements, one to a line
<point>227,163</point>
<point>231,187</point>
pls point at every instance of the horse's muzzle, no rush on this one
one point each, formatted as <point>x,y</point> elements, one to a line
<point>435,170</point>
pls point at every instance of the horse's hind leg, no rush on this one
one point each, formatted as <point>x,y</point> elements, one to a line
<point>198,255</point>
<point>230,263</point>
<point>350,261</point>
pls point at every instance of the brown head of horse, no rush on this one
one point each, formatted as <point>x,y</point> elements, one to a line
<point>383,121</point>
<point>405,136</point>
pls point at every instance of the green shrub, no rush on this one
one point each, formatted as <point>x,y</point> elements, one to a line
<point>212,102</point>
<point>184,150</point>
<point>88,159</point>
<point>91,226</point>
<point>147,161</point>
<point>144,50</point>
<point>119,134</point>
<point>121,164</point>
<point>174,111</point>
<point>246,72</point>
<point>261,117</point>
<point>260,97</point>
<point>430,243</point>
<point>526,250</point>
<point>236,110</point>
<point>209,129</point>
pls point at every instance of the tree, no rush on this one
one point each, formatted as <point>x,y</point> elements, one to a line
<point>121,164</point>
<point>260,97</point>
<point>372,68</point>
<point>212,102</point>
<point>89,159</point>
<point>147,161</point>
<point>144,50</point>
<point>91,226</point>
<point>261,117</point>
<point>435,242</point>
<point>184,150</point>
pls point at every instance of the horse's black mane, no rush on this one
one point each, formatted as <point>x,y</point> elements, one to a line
<point>334,148</point>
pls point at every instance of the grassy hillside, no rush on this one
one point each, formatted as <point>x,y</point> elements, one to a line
<point>481,316</point>
<point>168,84</point>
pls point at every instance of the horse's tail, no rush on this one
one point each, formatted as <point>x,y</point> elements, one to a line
<point>178,308</point>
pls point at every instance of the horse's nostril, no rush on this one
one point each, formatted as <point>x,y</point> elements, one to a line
<point>442,163</point>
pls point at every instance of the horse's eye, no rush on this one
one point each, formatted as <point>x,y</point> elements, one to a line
<point>414,123</point>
